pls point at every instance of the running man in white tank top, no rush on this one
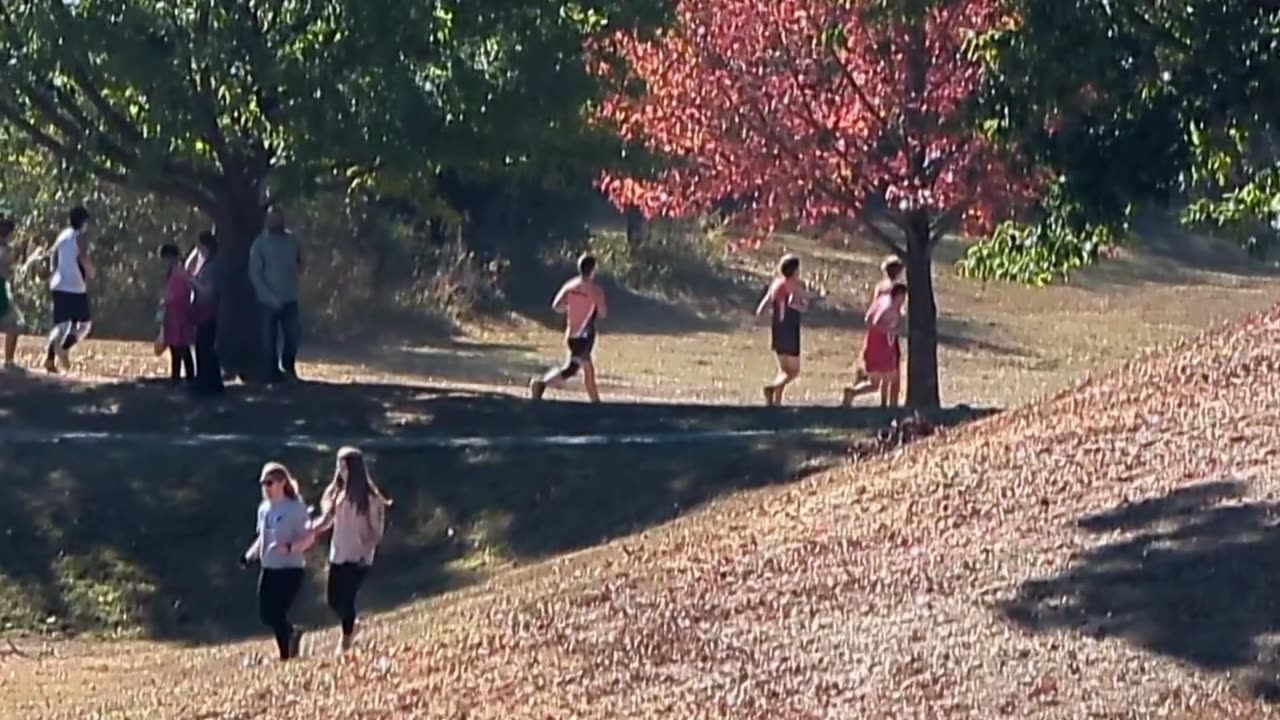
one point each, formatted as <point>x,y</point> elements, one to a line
<point>71,273</point>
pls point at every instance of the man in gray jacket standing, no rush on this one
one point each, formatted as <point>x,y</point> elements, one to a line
<point>275,261</point>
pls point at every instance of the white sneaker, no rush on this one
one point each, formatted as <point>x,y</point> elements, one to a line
<point>344,645</point>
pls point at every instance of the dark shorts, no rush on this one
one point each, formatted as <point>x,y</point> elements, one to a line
<point>785,338</point>
<point>581,348</point>
<point>70,307</point>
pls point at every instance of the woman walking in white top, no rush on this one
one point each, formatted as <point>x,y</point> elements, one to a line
<point>283,538</point>
<point>355,509</point>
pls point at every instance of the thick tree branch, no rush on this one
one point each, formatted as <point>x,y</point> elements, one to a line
<point>948,221</point>
<point>881,236</point>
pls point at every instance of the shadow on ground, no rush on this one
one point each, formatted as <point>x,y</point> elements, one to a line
<point>1191,576</point>
<point>145,540</point>
<point>140,535</point>
<point>456,360</point>
<point>337,410</point>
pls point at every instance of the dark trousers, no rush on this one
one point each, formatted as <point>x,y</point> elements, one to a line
<point>180,361</point>
<point>277,589</point>
<point>345,580</point>
<point>208,366</point>
<point>280,335</point>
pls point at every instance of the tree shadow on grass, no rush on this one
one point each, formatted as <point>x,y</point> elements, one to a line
<point>378,410</point>
<point>1191,575</point>
<point>481,363</point>
<point>140,531</point>
<point>140,539</point>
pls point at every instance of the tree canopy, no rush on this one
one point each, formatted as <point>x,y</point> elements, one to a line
<point>229,106</point>
<point>844,114</point>
<point>1146,102</point>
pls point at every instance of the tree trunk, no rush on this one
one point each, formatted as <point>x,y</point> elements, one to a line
<point>238,220</point>
<point>922,319</point>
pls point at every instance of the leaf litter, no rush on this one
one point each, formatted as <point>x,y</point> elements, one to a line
<point>919,583</point>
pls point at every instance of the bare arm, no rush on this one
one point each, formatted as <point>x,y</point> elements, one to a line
<point>303,543</point>
<point>765,301</point>
<point>559,304</point>
<point>377,519</point>
<point>85,263</point>
<point>602,304</point>
<point>254,551</point>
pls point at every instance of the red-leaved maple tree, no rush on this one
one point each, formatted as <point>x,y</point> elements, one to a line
<point>844,114</point>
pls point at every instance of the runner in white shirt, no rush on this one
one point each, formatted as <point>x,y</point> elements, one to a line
<point>69,285</point>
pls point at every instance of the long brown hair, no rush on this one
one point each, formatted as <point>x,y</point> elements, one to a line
<point>290,484</point>
<point>358,486</point>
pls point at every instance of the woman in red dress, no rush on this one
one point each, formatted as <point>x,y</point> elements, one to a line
<point>881,358</point>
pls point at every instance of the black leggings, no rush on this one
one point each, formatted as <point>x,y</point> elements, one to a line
<point>345,580</point>
<point>208,368</point>
<point>180,360</point>
<point>277,589</point>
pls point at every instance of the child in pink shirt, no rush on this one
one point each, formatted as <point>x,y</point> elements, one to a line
<point>178,323</point>
<point>582,302</point>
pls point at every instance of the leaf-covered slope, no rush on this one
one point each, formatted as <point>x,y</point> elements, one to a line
<point>1107,553</point>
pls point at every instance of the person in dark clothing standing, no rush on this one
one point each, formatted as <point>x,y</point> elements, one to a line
<point>203,266</point>
<point>275,262</point>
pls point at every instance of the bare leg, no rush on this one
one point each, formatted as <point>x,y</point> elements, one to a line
<point>10,329</point>
<point>589,379</point>
<point>864,387</point>
<point>895,387</point>
<point>788,371</point>
<point>57,337</point>
<point>554,378</point>
<point>863,384</point>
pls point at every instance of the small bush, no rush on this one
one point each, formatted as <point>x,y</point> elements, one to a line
<point>672,257</point>
<point>454,281</point>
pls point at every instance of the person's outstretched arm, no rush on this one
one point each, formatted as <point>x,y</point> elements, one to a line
<point>767,300</point>
<point>561,301</point>
<point>254,551</point>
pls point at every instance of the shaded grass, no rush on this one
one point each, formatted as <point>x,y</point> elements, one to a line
<point>135,541</point>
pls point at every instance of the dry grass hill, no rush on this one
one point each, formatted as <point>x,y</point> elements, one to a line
<point>1110,552</point>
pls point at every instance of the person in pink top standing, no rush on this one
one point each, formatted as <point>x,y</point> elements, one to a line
<point>582,302</point>
<point>179,322</point>
<point>785,299</point>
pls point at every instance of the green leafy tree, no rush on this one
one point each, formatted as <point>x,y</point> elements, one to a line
<point>1142,102</point>
<point>231,106</point>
